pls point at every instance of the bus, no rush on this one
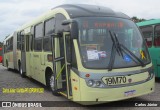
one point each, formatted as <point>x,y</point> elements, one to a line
<point>89,54</point>
<point>1,53</point>
<point>151,32</point>
<point>8,52</point>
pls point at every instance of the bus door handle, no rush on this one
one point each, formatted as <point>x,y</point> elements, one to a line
<point>68,64</point>
<point>58,59</point>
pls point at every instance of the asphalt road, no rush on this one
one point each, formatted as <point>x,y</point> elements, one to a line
<point>12,79</point>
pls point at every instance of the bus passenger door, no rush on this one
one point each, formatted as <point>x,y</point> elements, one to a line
<point>23,54</point>
<point>67,54</point>
<point>28,73</point>
<point>62,66</point>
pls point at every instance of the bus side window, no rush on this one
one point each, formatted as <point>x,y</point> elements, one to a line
<point>23,46</point>
<point>6,47</point>
<point>27,43</point>
<point>157,36</point>
<point>59,27</point>
<point>49,29</point>
<point>32,38</point>
<point>47,44</point>
<point>148,34</point>
<point>18,41</point>
<point>38,37</point>
<point>11,44</point>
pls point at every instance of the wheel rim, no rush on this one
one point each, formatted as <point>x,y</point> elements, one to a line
<point>21,70</point>
<point>52,82</point>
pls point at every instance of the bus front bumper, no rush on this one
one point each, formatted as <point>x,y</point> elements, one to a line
<point>90,95</point>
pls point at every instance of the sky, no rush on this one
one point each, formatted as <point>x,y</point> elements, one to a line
<point>15,13</point>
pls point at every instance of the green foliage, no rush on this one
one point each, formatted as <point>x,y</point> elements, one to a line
<point>1,44</point>
<point>136,20</point>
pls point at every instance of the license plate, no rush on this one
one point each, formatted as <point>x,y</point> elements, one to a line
<point>116,80</point>
<point>129,93</point>
<point>125,79</point>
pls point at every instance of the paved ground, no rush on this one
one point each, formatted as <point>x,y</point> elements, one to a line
<point>12,79</point>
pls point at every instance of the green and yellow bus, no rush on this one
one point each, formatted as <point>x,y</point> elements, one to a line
<point>151,32</point>
<point>83,52</point>
<point>8,52</point>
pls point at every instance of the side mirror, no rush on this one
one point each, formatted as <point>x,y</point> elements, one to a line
<point>74,27</point>
<point>74,30</point>
<point>67,22</point>
<point>59,34</point>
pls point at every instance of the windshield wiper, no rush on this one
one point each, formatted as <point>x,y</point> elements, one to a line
<point>114,43</point>
<point>113,52</point>
<point>111,61</point>
<point>117,46</point>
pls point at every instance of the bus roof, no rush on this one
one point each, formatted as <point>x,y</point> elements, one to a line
<point>149,22</point>
<point>76,10</point>
<point>83,10</point>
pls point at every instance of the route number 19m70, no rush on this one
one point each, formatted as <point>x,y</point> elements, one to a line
<point>116,80</point>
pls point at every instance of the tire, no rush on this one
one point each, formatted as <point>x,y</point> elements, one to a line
<point>21,71</point>
<point>51,84</point>
<point>7,65</point>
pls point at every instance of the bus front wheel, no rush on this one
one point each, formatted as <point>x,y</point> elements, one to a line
<point>52,84</point>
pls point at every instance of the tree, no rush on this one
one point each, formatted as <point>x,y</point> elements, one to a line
<point>135,19</point>
<point>1,44</point>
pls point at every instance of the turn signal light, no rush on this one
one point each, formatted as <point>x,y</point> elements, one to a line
<point>87,75</point>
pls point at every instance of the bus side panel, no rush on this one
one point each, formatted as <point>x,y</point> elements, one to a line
<point>36,65</point>
<point>31,65</point>
<point>38,69</point>
<point>42,70</point>
<point>4,59</point>
<point>45,64</point>
<point>18,54</point>
<point>10,59</point>
<point>28,72</point>
<point>41,76</point>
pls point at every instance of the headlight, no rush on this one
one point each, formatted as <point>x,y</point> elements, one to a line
<point>94,83</point>
<point>90,83</point>
<point>98,83</point>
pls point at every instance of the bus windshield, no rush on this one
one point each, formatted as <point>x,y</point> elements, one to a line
<point>98,44</point>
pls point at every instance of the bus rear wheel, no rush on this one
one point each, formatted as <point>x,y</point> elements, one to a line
<point>7,65</point>
<point>51,81</point>
<point>21,71</point>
